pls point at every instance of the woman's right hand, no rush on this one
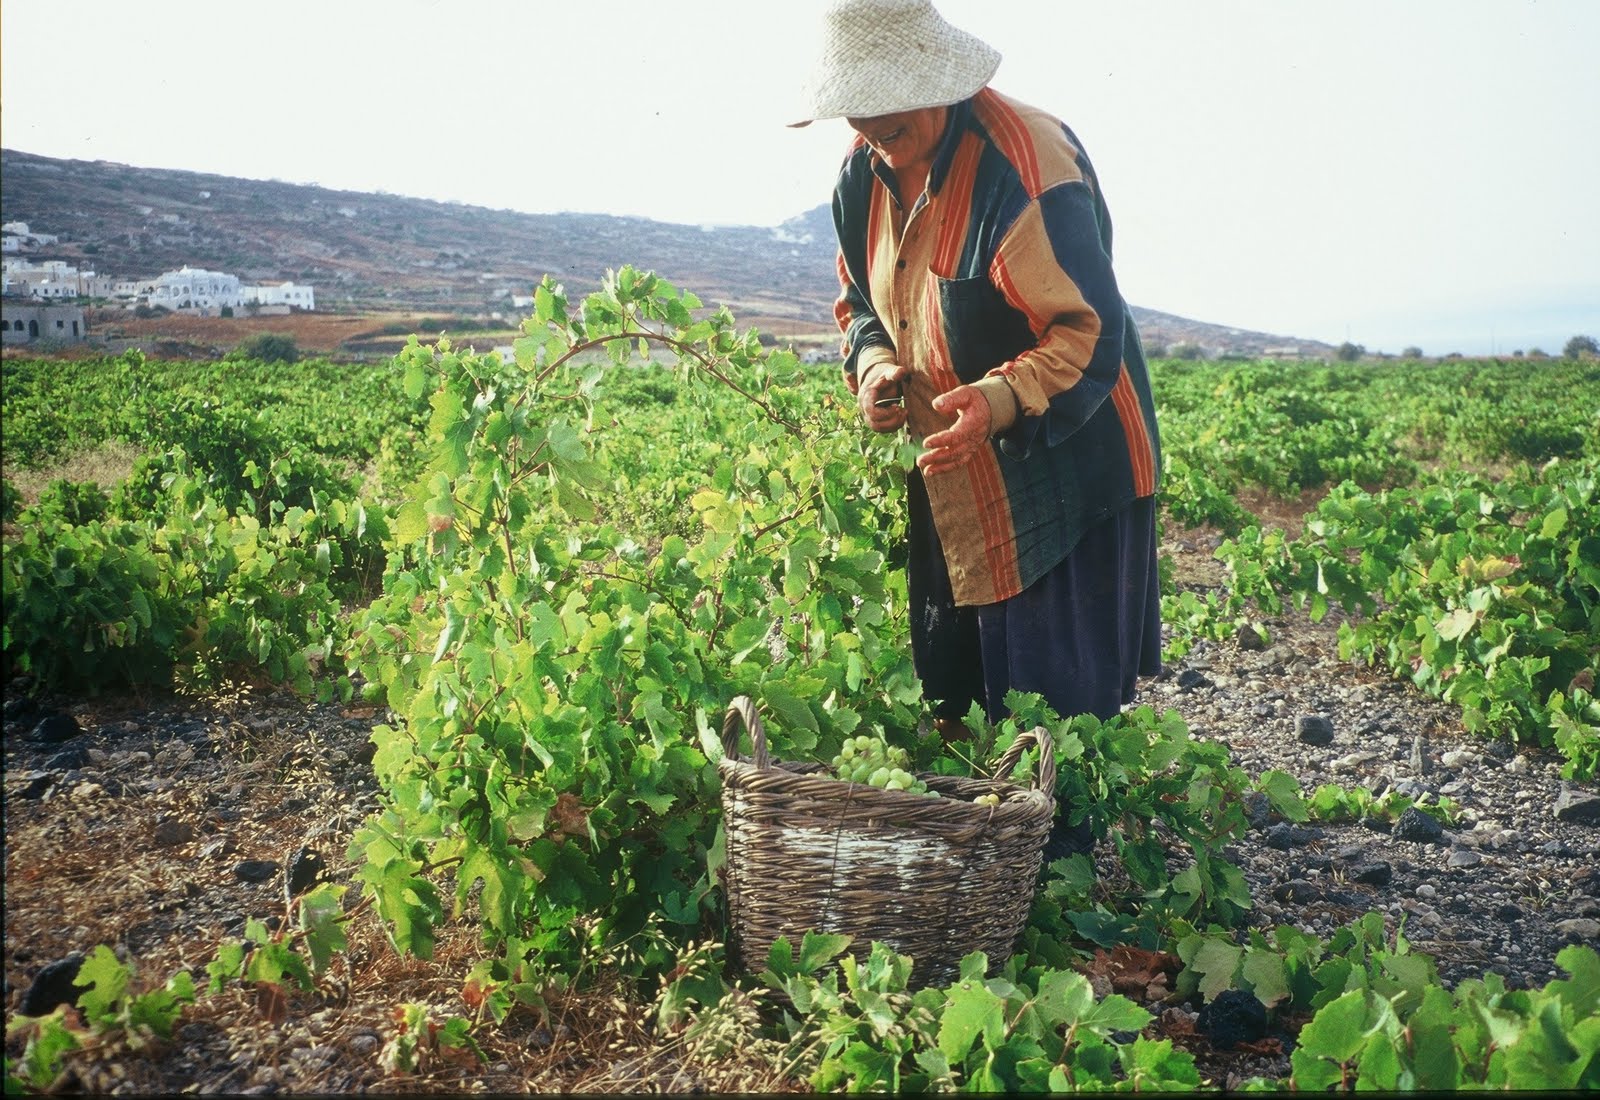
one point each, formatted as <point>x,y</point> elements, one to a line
<point>883,383</point>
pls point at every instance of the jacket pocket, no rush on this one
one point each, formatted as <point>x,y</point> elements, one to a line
<point>980,328</point>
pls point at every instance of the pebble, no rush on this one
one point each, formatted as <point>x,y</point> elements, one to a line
<point>221,846</point>
<point>68,759</point>
<point>1426,892</point>
<point>53,729</point>
<point>1419,758</point>
<point>1314,729</point>
<point>306,868</point>
<point>1579,928</point>
<point>255,870</point>
<point>1418,827</point>
<point>1297,890</point>
<point>1352,762</point>
<point>52,986</point>
<point>1257,809</point>
<point>1577,807</point>
<point>1464,857</point>
<point>170,833</point>
<point>1373,874</point>
<point>35,784</point>
<point>173,757</point>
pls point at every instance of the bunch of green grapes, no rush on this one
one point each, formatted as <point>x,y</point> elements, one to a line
<point>873,761</point>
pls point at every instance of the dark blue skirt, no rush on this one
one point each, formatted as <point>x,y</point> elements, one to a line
<point>1080,636</point>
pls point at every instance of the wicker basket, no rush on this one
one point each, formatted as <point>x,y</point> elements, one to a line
<point>935,878</point>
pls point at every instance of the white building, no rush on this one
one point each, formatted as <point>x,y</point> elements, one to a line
<point>283,294</point>
<point>28,322</point>
<point>15,236</point>
<point>52,279</point>
<point>187,290</point>
<point>107,286</point>
<point>195,290</point>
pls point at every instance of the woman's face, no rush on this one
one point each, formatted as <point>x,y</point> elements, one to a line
<point>905,138</point>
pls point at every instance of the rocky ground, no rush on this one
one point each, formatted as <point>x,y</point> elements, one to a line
<point>159,826</point>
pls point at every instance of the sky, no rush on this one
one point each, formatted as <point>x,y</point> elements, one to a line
<point>1391,173</point>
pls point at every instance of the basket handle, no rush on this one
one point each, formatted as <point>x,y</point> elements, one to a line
<point>745,707</point>
<point>1045,777</point>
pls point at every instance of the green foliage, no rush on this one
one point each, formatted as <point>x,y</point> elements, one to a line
<point>232,451</point>
<point>1145,786</point>
<point>1286,429</point>
<point>419,1039</point>
<point>71,502</point>
<point>1486,594</point>
<point>1194,497</point>
<point>562,568</point>
<point>200,592</point>
<point>1381,1020</point>
<point>267,347</point>
<point>553,675</point>
<point>340,414</point>
<point>1331,802</point>
<point>1580,346</point>
<point>107,1005</point>
<point>1575,731</point>
<point>1482,1036</point>
<point>1293,971</point>
<point>1028,1030</point>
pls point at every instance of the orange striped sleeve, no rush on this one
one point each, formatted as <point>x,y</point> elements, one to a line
<point>1141,455</point>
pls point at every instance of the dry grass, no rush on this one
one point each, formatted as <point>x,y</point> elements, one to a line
<point>106,464</point>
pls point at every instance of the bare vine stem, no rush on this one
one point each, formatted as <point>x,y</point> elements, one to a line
<point>681,348</point>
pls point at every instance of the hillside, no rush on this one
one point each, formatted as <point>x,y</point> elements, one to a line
<point>380,252</point>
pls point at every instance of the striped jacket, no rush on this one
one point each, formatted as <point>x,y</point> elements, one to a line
<point>1000,276</point>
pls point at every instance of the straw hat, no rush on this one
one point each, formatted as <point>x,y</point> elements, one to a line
<point>883,56</point>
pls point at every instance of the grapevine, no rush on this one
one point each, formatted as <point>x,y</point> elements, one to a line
<point>549,664</point>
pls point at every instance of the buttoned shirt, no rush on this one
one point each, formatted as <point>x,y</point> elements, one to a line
<point>999,275</point>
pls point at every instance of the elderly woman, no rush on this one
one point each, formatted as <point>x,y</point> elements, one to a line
<point>979,310</point>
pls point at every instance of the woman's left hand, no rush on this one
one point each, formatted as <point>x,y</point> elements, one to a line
<point>955,446</point>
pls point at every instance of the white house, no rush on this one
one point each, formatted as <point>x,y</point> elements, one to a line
<point>107,286</point>
<point>52,279</point>
<point>283,294</point>
<point>15,236</point>
<point>195,290</point>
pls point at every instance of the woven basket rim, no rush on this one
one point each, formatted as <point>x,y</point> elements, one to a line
<point>791,777</point>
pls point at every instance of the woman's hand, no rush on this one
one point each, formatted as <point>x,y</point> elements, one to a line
<point>882,382</point>
<point>954,447</point>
